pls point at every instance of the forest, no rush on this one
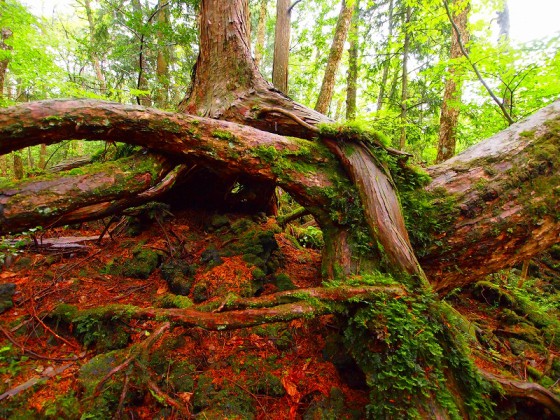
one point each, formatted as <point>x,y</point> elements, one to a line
<point>257,209</point>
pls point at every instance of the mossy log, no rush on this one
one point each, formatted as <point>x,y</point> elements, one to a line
<point>506,202</point>
<point>85,194</point>
<point>504,191</point>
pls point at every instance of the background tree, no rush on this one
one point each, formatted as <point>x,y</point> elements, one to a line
<point>453,87</point>
<point>335,54</point>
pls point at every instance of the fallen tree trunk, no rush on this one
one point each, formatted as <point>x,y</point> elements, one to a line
<point>505,196</point>
<point>501,202</point>
<point>86,194</point>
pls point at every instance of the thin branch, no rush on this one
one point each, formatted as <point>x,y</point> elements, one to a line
<point>294,4</point>
<point>474,67</point>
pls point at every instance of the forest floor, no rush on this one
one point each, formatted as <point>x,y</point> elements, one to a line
<point>53,368</point>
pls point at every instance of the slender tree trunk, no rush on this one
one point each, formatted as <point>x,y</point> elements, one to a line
<point>5,33</point>
<point>453,90</point>
<point>3,166</point>
<point>43,156</point>
<point>335,55</point>
<point>352,77</point>
<point>142,83</point>
<point>30,159</point>
<point>404,86</point>
<point>94,56</point>
<point>162,63</point>
<point>18,165</point>
<point>387,64</point>
<point>261,31</point>
<point>282,45</point>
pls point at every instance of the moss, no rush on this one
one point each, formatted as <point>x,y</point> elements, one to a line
<point>331,407</point>
<point>216,222</point>
<point>279,334</point>
<point>142,264</point>
<point>283,282</point>
<point>179,276</point>
<point>352,131</point>
<point>174,301</point>
<point>405,351</point>
<point>223,135</point>
<point>105,404</point>
<point>268,384</point>
<point>200,292</point>
<point>228,402</point>
<point>527,133</point>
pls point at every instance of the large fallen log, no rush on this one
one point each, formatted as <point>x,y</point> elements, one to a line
<point>501,204</point>
<point>84,194</point>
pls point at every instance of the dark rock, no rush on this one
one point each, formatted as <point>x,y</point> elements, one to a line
<point>7,291</point>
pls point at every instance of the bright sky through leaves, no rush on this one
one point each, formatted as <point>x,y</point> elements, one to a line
<point>530,20</point>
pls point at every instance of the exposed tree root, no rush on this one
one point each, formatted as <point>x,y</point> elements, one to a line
<point>525,390</point>
<point>242,313</point>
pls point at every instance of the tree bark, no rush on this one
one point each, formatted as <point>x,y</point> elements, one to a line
<point>335,55</point>
<point>5,34</point>
<point>495,223</point>
<point>352,77</point>
<point>18,165</point>
<point>227,84</point>
<point>282,45</point>
<point>453,90</point>
<point>261,32</point>
<point>404,82</point>
<point>68,198</point>
<point>503,192</point>
<point>143,99</point>
<point>162,61</point>
<point>94,56</point>
<point>387,64</point>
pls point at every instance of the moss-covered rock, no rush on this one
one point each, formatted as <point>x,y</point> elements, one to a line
<point>142,264</point>
<point>7,291</point>
<point>179,276</point>
<point>169,300</point>
<point>284,282</point>
<point>200,292</point>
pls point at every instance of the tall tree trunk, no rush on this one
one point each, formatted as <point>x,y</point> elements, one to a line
<point>261,31</point>
<point>3,166</point>
<point>43,156</point>
<point>387,63</point>
<point>282,45</point>
<point>30,159</point>
<point>404,86</point>
<point>453,90</point>
<point>94,56</point>
<point>335,55</point>
<point>5,34</point>
<point>352,77</point>
<point>162,63</point>
<point>143,99</point>
<point>18,165</point>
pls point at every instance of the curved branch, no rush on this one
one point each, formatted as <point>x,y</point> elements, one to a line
<point>526,390</point>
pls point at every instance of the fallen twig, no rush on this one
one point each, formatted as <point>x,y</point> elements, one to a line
<point>47,374</point>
